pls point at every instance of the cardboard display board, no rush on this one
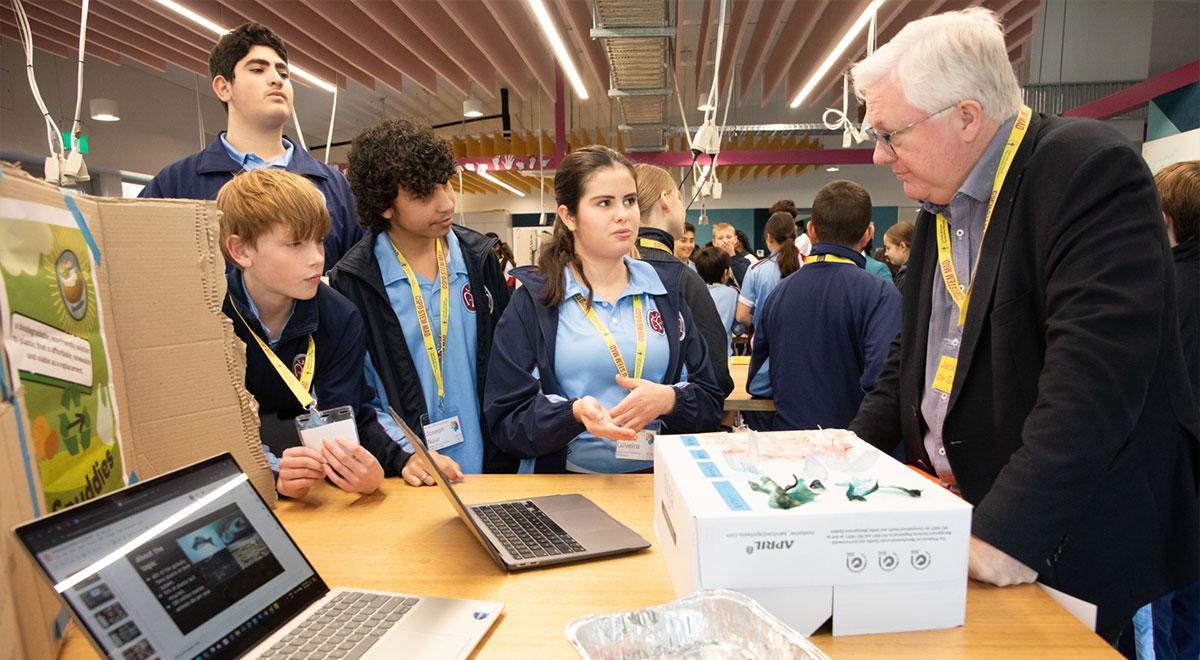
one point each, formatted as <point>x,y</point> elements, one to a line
<point>176,367</point>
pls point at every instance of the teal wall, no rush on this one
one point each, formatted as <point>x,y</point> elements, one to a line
<point>883,217</point>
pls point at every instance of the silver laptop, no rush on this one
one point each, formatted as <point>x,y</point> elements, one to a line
<point>193,564</point>
<point>536,531</point>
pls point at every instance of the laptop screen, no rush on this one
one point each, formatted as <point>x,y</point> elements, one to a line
<point>192,564</point>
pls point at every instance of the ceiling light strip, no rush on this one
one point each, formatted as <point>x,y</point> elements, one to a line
<point>836,53</point>
<point>500,183</point>
<point>220,31</point>
<point>556,43</point>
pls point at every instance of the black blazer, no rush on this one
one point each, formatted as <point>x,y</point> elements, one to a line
<point>1069,425</point>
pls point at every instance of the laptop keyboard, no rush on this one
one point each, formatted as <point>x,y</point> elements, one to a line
<point>346,627</point>
<point>525,530</point>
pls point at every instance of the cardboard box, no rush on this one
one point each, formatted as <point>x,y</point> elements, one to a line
<point>876,560</point>
<point>175,366</point>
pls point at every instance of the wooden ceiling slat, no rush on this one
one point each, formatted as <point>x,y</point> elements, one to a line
<point>56,41</point>
<point>1020,13</point>
<point>702,44</point>
<point>836,21</point>
<point>480,27</point>
<point>232,14</point>
<point>1021,32</point>
<point>526,38</point>
<point>43,21</point>
<point>756,53</point>
<point>143,29</point>
<point>343,20</point>
<point>99,25</point>
<point>796,32</point>
<point>579,17</point>
<point>403,29</point>
<point>439,27</point>
<point>734,32</point>
<point>302,20</point>
<point>884,23</point>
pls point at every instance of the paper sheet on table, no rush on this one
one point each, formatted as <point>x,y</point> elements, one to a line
<point>1080,609</point>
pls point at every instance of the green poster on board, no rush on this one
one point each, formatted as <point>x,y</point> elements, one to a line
<point>55,347</point>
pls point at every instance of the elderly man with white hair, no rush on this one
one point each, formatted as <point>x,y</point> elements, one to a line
<point>1038,371</point>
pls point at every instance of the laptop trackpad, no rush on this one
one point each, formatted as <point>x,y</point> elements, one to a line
<point>413,644</point>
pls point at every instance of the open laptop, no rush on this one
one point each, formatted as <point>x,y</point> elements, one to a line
<point>193,564</point>
<point>536,531</point>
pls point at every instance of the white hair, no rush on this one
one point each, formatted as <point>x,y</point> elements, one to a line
<point>944,59</point>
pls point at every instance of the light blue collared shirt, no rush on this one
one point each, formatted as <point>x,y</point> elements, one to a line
<point>458,358</point>
<point>251,161</point>
<point>761,280</point>
<point>583,366</point>
<point>266,331</point>
<point>965,215</point>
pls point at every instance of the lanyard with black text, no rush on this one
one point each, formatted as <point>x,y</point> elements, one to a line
<point>299,387</point>
<point>962,297</point>
<point>639,325</point>
<point>435,352</point>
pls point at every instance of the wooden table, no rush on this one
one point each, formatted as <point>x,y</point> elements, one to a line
<point>408,539</point>
<point>740,399</point>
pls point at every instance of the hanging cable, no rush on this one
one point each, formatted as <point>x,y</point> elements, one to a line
<point>299,132</point>
<point>76,127</point>
<point>53,135</point>
<point>332,115</point>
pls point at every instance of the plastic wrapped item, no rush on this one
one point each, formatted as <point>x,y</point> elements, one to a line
<point>716,624</point>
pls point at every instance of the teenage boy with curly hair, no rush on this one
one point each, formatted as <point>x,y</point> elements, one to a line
<point>430,293</point>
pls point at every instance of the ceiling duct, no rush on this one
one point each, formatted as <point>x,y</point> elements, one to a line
<point>635,36</point>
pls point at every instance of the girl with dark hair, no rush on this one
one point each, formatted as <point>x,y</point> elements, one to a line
<point>764,276</point>
<point>896,241</point>
<point>594,349</point>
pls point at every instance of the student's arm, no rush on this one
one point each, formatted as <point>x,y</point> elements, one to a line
<point>758,380</point>
<point>522,420</point>
<point>883,324</point>
<point>698,399</point>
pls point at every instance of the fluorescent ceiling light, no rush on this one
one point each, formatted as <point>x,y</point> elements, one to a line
<point>831,169</point>
<point>704,107</point>
<point>483,173</point>
<point>220,31</point>
<point>556,43</point>
<point>837,52</point>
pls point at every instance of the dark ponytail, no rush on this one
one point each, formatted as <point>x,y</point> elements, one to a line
<point>559,250</point>
<point>781,227</point>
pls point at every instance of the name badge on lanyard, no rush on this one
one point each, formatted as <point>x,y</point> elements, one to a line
<point>642,447</point>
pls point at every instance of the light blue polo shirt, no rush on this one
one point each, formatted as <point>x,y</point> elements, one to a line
<point>252,161</point>
<point>761,280</point>
<point>726,299</point>
<point>583,366</point>
<point>458,359</point>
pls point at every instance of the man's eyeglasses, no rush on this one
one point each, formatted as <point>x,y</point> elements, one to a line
<point>886,138</point>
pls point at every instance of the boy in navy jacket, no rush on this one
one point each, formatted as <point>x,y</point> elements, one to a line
<point>249,68</point>
<point>827,327</point>
<point>271,226</point>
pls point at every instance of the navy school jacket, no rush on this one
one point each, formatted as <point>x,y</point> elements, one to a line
<point>527,424</point>
<point>201,175</point>
<point>337,331</point>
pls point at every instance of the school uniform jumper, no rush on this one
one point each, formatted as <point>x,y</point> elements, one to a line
<point>337,331</point>
<point>760,280</point>
<point>828,328</point>
<point>535,360</point>
<point>201,175</point>
<point>367,275</point>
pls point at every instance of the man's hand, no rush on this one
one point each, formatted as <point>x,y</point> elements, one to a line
<point>989,564</point>
<point>417,473</point>
<point>598,421</point>
<point>644,403</point>
<point>299,469</point>
<point>350,467</point>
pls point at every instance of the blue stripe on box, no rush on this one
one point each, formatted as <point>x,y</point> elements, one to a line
<point>732,499</point>
<point>709,469</point>
<point>700,455</point>
<point>690,441</point>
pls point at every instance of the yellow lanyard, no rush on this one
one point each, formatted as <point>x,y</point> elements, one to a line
<point>435,352</point>
<point>651,243</point>
<point>833,258</point>
<point>962,297</point>
<point>299,387</point>
<point>639,325</point>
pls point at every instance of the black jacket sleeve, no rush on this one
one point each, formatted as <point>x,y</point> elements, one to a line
<point>708,321</point>
<point>699,402</point>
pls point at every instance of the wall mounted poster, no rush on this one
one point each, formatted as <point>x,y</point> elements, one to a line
<point>50,321</point>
